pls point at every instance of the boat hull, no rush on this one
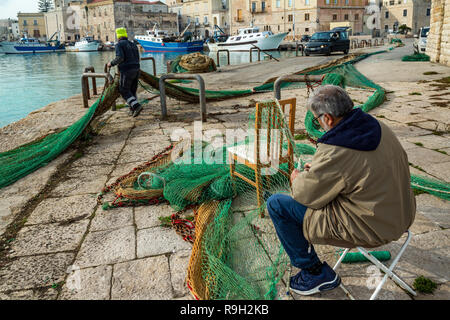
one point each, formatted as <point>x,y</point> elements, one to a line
<point>16,48</point>
<point>266,43</point>
<point>86,47</point>
<point>192,46</point>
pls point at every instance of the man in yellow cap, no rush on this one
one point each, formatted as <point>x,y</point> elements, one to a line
<point>127,58</point>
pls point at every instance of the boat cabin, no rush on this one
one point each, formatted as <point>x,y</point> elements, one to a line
<point>247,34</point>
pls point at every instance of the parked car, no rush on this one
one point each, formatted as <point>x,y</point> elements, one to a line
<point>305,38</point>
<point>420,44</point>
<point>326,42</point>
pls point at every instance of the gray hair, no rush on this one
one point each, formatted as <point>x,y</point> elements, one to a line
<point>330,99</point>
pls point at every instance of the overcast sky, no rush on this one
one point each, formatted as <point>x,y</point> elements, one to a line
<point>10,8</point>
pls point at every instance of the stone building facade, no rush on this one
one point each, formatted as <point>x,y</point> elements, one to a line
<point>64,18</point>
<point>203,15</point>
<point>100,18</point>
<point>298,17</point>
<point>33,25</point>
<point>414,13</point>
<point>438,42</point>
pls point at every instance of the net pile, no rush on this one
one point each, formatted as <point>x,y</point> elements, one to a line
<point>416,57</point>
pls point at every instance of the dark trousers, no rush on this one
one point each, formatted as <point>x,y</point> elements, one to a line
<point>287,216</point>
<point>128,86</point>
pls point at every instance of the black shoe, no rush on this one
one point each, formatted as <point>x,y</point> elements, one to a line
<point>137,110</point>
<point>130,112</point>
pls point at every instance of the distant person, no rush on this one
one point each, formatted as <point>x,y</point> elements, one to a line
<point>356,191</point>
<point>127,58</point>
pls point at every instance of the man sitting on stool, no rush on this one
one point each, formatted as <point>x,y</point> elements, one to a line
<point>127,57</point>
<point>355,192</point>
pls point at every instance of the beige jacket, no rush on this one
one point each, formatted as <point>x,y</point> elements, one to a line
<point>357,198</point>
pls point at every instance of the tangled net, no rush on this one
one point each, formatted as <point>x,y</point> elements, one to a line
<point>193,63</point>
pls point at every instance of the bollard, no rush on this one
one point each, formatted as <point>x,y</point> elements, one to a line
<point>228,56</point>
<point>202,92</point>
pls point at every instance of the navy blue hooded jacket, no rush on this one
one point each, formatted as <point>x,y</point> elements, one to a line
<point>127,56</point>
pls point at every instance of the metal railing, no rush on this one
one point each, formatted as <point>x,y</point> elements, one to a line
<point>202,92</point>
<point>293,78</point>
<point>228,56</point>
<point>297,46</point>
<point>251,53</point>
<point>154,63</point>
<point>89,72</point>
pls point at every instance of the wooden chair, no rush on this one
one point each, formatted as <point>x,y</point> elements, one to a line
<point>268,145</point>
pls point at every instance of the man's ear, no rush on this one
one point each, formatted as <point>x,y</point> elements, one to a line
<point>328,119</point>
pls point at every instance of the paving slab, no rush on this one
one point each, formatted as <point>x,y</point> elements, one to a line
<point>148,216</point>
<point>63,209</point>
<point>37,294</point>
<point>179,263</point>
<point>95,159</point>
<point>434,208</point>
<point>107,247</point>
<point>111,219</point>
<point>34,271</point>
<point>142,279</point>
<point>48,238</point>
<point>159,240</point>
<point>87,284</point>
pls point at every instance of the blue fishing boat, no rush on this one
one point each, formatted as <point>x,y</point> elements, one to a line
<point>32,45</point>
<point>160,41</point>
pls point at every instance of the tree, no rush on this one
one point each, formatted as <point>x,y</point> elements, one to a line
<point>45,5</point>
<point>404,29</point>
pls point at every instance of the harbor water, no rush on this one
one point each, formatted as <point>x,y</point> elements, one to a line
<point>30,82</point>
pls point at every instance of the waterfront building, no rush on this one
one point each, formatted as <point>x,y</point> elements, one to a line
<point>33,25</point>
<point>100,18</point>
<point>438,42</point>
<point>298,17</point>
<point>64,18</point>
<point>413,13</point>
<point>9,29</point>
<point>203,15</point>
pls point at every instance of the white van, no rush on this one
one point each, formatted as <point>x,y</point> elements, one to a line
<point>420,44</point>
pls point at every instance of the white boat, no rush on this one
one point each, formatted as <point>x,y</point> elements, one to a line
<point>248,38</point>
<point>86,44</point>
<point>31,45</point>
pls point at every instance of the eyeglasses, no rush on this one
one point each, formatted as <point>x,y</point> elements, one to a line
<point>316,123</point>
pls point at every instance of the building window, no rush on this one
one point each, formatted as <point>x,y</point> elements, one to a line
<point>306,29</point>
<point>278,4</point>
<point>335,1</point>
<point>428,12</point>
<point>391,2</point>
<point>345,17</point>
<point>386,27</point>
<point>386,15</point>
<point>206,20</point>
<point>307,2</point>
<point>290,3</point>
<point>35,22</point>
<point>334,17</point>
<point>356,16</point>
<point>347,2</point>
<point>290,18</point>
<point>263,6</point>
<point>306,16</point>
<point>24,22</point>
<point>405,13</point>
<point>327,1</point>
<point>253,6</point>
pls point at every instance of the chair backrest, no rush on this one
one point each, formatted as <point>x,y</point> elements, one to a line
<point>271,123</point>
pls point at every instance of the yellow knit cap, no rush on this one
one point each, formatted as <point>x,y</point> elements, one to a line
<point>121,32</point>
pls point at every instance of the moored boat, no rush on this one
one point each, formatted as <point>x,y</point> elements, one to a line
<point>32,45</point>
<point>86,44</point>
<point>160,41</point>
<point>248,38</point>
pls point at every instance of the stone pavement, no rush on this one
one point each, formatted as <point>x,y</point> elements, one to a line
<point>60,244</point>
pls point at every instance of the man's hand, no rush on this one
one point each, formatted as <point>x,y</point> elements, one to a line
<point>294,175</point>
<point>307,166</point>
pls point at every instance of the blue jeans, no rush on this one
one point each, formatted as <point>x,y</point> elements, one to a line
<point>287,216</point>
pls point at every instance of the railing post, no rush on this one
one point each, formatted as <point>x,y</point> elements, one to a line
<point>202,92</point>
<point>154,63</point>
<point>85,84</point>
<point>293,78</point>
<point>228,56</point>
